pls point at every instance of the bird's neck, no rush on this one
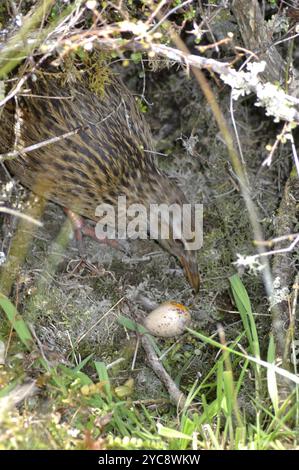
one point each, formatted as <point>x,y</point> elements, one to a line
<point>156,188</point>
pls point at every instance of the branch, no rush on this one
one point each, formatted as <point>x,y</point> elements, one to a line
<point>277,103</point>
<point>175,394</point>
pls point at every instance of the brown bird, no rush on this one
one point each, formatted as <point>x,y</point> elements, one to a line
<point>103,150</point>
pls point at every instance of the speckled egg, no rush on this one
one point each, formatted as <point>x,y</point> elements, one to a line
<point>169,319</point>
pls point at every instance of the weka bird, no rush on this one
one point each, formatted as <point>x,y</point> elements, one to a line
<point>108,153</point>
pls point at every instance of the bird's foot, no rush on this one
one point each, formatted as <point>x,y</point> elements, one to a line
<point>81,266</point>
<point>82,228</point>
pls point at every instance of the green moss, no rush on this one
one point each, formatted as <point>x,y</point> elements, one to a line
<point>97,71</point>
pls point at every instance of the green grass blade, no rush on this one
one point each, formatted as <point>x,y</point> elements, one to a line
<point>17,322</point>
<point>104,377</point>
<point>83,363</point>
<point>244,306</point>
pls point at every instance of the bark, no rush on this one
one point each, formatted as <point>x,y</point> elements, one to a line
<point>283,267</point>
<point>257,38</point>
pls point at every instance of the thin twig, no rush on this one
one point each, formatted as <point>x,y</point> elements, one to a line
<point>98,321</point>
<point>175,394</point>
<point>9,211</point>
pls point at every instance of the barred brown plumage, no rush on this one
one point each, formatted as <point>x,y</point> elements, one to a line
<point>108,153</point>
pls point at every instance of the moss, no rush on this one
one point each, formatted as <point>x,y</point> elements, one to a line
<point>3,18</point>
<point>80,65</point>
<point>97,71</point>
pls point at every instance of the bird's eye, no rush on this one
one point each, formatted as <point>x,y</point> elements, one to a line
<point>179,243</point>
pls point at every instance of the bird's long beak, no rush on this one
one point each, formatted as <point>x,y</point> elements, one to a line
<point>191,272</point>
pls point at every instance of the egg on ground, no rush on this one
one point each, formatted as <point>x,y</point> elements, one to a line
<point>167,320</point>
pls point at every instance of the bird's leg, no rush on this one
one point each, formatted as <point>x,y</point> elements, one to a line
<point>77,223</point>
<point>81,228</point>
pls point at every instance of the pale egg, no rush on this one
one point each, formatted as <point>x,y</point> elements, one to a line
<point>169,319</point>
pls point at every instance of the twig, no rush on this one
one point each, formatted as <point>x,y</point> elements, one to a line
<point>53,140</point>
<point>31,148</point>
<point>278,139</point>
<point>7,210</point>
<point>98,321</point>
<point>273,241</point>
<point>170,12</point>
<point>175,394</point>
<point>135,353</point>
<point>280,250</point>
<point>295,154</point>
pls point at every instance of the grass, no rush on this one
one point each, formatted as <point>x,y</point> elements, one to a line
<point>235,406</point>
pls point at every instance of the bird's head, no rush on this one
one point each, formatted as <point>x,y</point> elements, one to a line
<point>186,257</point>
<point>172,224</point>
